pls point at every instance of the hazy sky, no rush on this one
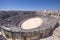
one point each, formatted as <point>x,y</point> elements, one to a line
<point>29,4</point>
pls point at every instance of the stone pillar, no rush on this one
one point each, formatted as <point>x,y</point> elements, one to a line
<point>3,33</point>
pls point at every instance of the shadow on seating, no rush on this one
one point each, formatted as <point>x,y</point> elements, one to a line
<point>2,38</point>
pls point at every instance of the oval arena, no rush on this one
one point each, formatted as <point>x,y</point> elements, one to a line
<point>26,25</point>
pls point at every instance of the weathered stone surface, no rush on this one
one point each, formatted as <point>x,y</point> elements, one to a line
<point>56,34</point>
<point>48,38</point>
<point>13,24</point>
<point>2,38</point>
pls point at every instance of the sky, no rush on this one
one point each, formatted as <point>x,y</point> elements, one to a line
<point>29,4</point>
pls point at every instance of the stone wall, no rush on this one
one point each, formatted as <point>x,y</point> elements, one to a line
<point>4,15</point>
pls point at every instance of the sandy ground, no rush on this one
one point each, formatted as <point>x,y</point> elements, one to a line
<point>32,23</point>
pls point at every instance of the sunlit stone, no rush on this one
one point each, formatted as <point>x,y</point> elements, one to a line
<point>32,23</point>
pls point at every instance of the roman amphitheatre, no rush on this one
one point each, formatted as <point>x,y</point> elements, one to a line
<point>30,25</point>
